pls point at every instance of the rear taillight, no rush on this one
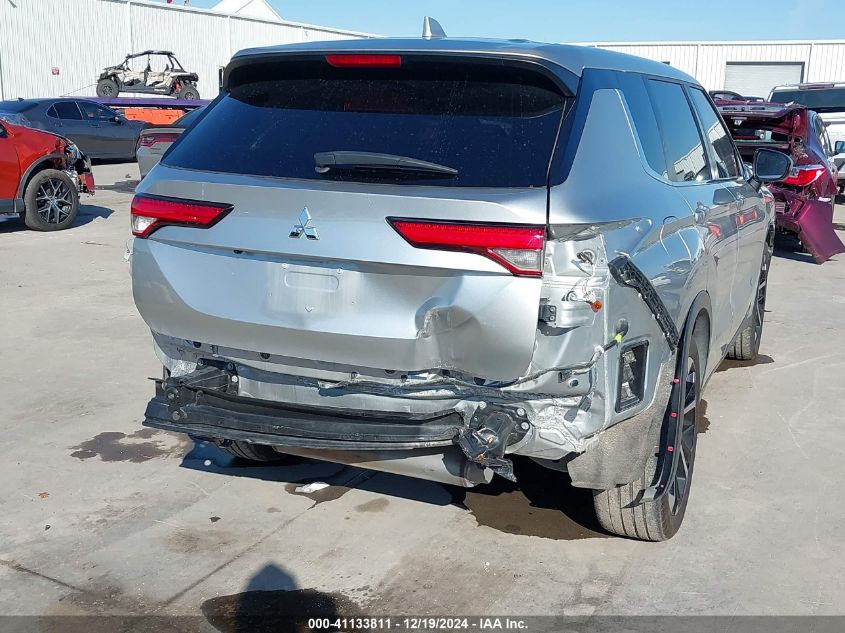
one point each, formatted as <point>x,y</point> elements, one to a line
<point>364,61</point>
<point>150,213</point>
<point>804,175</point>
<point>148,140</point>
<point>518,248</point>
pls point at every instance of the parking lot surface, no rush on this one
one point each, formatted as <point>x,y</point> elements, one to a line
<point>100,515</point>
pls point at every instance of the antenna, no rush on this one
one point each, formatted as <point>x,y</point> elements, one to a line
<point>432,29</point>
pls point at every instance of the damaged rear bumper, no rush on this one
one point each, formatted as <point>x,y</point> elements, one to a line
<point>201,404</point>
<point>453,441</point>
<point>812,222</point>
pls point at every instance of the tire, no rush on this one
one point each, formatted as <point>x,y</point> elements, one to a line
<point>250,452</point>
<point>746,345</point>
<point>189,91</point>
<point>51,201</point>
<point>660,520</point>
<point>107,88</point>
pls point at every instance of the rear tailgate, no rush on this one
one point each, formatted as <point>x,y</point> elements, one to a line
<point>307,265</point>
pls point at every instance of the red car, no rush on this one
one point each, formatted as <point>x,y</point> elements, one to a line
<point>41,176</point>
<point>804,201</point>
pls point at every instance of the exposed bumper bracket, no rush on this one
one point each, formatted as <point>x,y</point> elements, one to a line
<point>490,432</point>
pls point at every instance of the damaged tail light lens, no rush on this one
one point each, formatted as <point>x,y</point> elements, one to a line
<point>149,213</point>
<point>804,175</point>
<point>518,248</point>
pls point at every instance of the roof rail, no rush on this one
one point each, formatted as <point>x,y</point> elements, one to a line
<point>432,29</point>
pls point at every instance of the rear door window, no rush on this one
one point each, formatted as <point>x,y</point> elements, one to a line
<point>496,125</point>
<point>645,121</point>
<point>682,146</point>
<point>727,164</point>
<point>67,110</point>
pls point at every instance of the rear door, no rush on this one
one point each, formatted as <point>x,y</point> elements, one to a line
<point>746,215</point>
<point>713,208</point>
<point>351,261</point>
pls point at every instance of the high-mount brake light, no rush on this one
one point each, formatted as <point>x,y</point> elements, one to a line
<point>518,248</point>
<point>148,140</point>
<point>804,175</point>
<point>149,213</point>
<point>364,61</point>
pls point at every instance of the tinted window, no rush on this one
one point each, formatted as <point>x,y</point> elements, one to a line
<point>96,112</point>
<point>685,158</point>
<point>186,119</point>
<point>727,165</point>
<point>819,99</point>
<point>67,110</point>
<point>496,125</point>
<point>645,121</point>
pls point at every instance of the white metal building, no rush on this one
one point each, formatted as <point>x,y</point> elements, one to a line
<point>751,68</point>
<point>50,48</point>
<point>58,47</point>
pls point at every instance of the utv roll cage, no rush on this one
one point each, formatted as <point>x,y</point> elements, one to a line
<point>174,63</point>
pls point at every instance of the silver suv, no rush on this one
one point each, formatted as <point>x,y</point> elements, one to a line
<point>425,256</point>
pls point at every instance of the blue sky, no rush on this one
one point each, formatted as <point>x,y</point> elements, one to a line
<point>579,20</point>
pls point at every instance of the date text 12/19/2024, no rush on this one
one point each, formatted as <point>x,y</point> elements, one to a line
<point>417,624</point>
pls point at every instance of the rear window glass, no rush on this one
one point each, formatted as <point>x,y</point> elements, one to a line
<point>15,106</point>
<point>186,119</point>
<point>819,99</point>
<point>495,125</point>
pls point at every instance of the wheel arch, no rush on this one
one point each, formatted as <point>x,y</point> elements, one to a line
<point>699,315</point>
<point>49,161</point>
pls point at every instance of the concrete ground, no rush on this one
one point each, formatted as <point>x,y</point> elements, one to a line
<point>99,515</point>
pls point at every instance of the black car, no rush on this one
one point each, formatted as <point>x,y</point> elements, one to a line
<point>98,131</point>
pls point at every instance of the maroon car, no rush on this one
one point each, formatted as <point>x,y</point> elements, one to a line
<point>804,200</point>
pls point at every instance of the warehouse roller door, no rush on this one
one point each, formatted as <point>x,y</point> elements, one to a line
<point>758,79</point>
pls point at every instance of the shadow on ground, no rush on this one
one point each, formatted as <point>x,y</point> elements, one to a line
<point>272,603</point>
<point>87,213</point>
<point>788,246</point>
<point>122,186</point>
<point>542,503</point>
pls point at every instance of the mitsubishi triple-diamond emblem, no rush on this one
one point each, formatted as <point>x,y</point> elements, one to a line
<point>304,226</point>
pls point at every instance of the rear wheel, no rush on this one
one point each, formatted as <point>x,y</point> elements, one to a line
<point>746,345</point>
<point>189,91</point>
<point>250,452</point>
<point>660,520</point>
<point>107,88</point>
<point>51,201</point>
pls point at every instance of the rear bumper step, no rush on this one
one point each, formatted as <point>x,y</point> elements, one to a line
<point>199,404</point>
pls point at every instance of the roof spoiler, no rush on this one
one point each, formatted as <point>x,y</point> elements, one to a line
<point>432,29</point>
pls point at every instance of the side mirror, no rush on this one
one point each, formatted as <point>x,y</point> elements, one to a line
<point>839,148</point>
<point>770,166</point>
<point>116,120</point>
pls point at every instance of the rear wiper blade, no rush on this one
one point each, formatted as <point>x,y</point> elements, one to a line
<point>324,161</point>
